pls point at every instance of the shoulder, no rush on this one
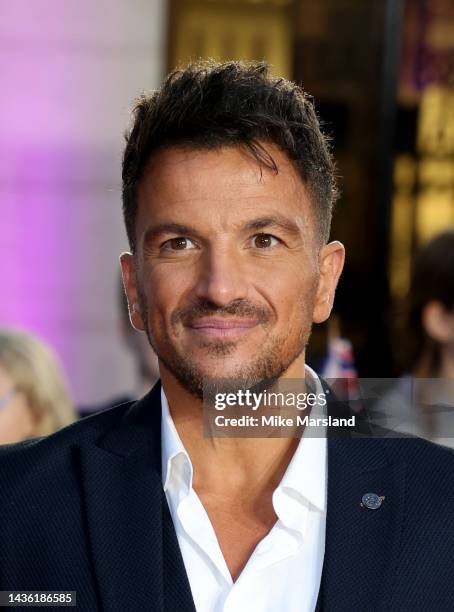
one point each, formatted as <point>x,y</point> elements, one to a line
<point>415,449</point>
<point>412,450</point>
<point>428,467</point>
<point>423,456</point>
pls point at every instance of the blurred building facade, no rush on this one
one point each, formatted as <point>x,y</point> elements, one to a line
<point>70,71</point>
<point>424,166</point>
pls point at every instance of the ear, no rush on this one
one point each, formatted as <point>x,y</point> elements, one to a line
<point>331,262</point>
<point>438,322</point>
<point>129,273</point>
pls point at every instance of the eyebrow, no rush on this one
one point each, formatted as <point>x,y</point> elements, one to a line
<point>276,221</point>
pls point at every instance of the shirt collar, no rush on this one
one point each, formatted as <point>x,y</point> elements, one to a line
<point>176,464</point>
<point>304,479</point>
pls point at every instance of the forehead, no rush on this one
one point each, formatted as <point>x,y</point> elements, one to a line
<point>223,185</point>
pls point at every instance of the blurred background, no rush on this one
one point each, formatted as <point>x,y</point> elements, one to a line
<point>381,73</point>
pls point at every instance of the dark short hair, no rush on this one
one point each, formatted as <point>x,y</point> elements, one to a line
<point>209,105</point>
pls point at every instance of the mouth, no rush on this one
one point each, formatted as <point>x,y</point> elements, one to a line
<point>221,328</point>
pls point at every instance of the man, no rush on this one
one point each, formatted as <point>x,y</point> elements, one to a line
<point>228,192</point>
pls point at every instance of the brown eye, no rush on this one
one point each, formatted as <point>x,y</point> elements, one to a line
<point>264,241</point>
<point>178,244</point>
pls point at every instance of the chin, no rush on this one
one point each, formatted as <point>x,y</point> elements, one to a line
<point>219,369</point>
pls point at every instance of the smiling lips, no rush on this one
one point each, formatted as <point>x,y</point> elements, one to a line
<point>222,328</point>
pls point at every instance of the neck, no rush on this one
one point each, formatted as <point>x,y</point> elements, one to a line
<point>255,465</point>
<point>447,362</point>
<point>445,369</point>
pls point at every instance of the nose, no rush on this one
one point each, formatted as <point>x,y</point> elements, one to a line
<point>222,277</point>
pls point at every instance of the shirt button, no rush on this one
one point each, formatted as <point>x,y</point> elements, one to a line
<point>372,501</point>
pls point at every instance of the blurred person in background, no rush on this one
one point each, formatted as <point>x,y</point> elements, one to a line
<point>422,401</point>
<point>431,310</point>
<point>34,400</point>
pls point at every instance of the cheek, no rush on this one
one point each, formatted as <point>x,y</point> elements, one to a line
<point>16,422</point>
<point>167,289</point>
<point>7,426</point>
<point>292,294</point>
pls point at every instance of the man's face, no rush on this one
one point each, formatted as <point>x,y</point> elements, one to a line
<point>226,277</point>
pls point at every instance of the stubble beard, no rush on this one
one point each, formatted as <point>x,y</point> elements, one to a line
<point>267,368</point>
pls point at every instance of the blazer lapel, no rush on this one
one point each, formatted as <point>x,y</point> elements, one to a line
<point>132,543</point>
<point>362,545</point>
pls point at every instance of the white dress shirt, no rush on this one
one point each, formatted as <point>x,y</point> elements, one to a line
<point>284,571</point>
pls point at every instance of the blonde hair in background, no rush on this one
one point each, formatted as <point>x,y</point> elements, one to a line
<point>35,370</point>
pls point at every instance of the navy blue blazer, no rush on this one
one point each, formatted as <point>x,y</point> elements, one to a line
<point>84,510</point>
